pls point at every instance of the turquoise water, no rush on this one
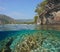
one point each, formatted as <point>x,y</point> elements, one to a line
<point>51,43</point>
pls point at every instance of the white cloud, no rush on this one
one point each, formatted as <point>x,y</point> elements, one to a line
<point>2,8</point>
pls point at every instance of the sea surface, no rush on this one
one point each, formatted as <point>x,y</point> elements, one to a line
<point>19,31</point>
<point>11,29</point>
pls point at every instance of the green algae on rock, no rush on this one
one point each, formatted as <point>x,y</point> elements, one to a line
<point>38,41</point>
<point>34,41</point>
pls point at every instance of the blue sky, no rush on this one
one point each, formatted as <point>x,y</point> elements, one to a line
<point>19,9</point>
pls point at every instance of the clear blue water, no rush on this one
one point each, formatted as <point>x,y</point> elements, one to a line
<point>12,29</point>
<point>18,32</point>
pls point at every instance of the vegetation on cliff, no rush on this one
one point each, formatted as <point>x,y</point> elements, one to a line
<point>48,9</point>
<point>40,7</point>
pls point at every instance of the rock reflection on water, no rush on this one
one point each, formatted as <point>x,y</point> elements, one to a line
<point>48,27</point>
<point>9,27</point>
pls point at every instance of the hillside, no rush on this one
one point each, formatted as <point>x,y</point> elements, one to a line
<point>4,19</point>
<point>25,21</point>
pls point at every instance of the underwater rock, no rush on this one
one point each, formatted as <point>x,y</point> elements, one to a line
<point>36,42</point>
<point>31,43</point>
<point>9,42</point>
<point>27,45</point>
<point>7,49</point>
<point>24,48</point>
<point>6,46</point>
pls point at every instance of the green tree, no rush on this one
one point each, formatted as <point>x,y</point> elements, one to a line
<point>40,9</point>
<point>35,19</point>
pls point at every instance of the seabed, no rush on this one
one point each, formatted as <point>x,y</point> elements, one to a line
<point>32,41</point>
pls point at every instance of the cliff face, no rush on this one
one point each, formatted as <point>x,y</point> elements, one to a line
<point>57,17</point>
<point>55,20</point>
<point>39,21</point>
<point>52,6</point>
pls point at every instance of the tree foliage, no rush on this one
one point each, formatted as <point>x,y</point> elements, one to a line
<point>35,18</point>
<point>40,7</point>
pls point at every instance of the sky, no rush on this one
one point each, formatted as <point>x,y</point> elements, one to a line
<point>19,9</point>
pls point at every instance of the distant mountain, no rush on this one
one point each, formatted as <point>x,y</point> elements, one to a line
<point>4,19</point>
<point>24,20</point>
